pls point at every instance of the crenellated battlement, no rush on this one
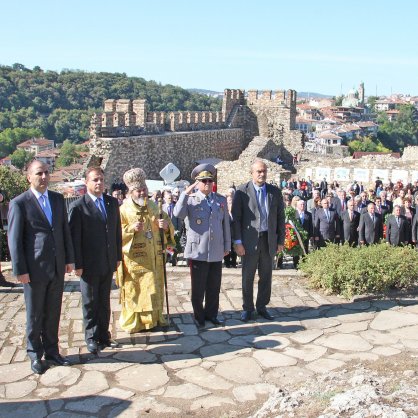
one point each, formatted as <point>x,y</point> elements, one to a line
<point>271,98</point>
<point>125,117</point>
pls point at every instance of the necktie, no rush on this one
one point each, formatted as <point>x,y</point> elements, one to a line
<point>397,220</point>
<point>46,208</point>
<point>351,215</point>
<point>100,206</point>
<point>301,217</point>
<point>262,206</point>
<point>327,213</point>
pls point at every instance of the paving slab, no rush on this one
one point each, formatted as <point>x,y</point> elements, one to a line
<point>214,371</point>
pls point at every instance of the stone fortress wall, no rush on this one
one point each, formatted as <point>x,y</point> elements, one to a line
<point>126,135</point>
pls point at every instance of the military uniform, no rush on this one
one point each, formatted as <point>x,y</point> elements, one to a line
<point>208,238</point>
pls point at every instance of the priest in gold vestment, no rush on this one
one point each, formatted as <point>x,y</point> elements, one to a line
<point>140,276</point>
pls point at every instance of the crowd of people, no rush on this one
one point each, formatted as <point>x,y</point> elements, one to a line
<point>134,234</point>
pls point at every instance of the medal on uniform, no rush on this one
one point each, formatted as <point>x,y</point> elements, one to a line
<point>198,221</point>
<point>148,234</point>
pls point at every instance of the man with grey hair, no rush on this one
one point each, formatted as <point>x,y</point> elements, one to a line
<point>370,226</point>
<point>397,228</point>
<point>258,233</point>
<point>310,203</point>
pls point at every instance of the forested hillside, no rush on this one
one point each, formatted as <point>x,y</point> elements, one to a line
<point>59,105</point>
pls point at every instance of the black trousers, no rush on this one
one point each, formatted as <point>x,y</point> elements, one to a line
<point>95,295</point>
<point>206,285</point>
<point>262,261</point>
<point>43,301</point>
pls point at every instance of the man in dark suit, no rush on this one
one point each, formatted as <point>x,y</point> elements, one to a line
<point>97,237</point>
<point>350,220</point>
<point>370,226</point>
<point>414,232</point>
<point>168,208</point>
<point>397,228</point>
<point>380,208</point>
<point>42,252</point>
<point>323,187</point>
<point>258,233</point>
<point>3,281</point>
<point>305,219</point>
<point>327,225</point>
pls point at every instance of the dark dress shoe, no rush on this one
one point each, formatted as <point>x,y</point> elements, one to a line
<point>265,314</point>
<point>37,366</point>
<point>58,359</point>
<point>200,324</point>
<point>92,347</point>
<point>109,344</point>
<point>216,321</point>
<point>245,316</point>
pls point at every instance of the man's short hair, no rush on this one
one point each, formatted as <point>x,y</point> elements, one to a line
<point>95,169</point>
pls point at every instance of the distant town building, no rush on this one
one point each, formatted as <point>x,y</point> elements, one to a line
<point>36,145</point>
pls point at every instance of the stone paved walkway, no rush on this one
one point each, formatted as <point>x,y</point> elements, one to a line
<point>188,372</point>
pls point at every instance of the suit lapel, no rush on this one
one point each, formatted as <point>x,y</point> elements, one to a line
<point>92,207</point>
<point>35,203</point>
<point>252,198</point>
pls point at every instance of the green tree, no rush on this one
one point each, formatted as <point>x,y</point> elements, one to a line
<point>366,144</point>
<point>371,101</point>
<point>21,157</point>
<point>401,132</point>
<point>9,138</point>
<point>12,182</point>
<point>68,154</point>
<point>339,100</point>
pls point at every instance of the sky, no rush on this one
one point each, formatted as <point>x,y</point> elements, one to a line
<point>320,46</point>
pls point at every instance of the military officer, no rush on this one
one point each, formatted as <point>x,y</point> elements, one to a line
<point>208,241</point>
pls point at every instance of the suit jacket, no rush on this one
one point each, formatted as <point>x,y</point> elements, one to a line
<point>350,232</point>
<point>395,234</point>
<point>370,232</point>
<point>97,242</point>
<point>337,205</point>
<point>325,229</point>
<point>383,211</point>
<point>246,217</point>
<point>414,232</point>
<point>307,223</point>
<point>177,222</point>
<point>36,247</point>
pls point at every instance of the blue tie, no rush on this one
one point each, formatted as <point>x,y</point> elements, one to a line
<point>100,206</point>
<point>46,208</point>
<point>263,212</point>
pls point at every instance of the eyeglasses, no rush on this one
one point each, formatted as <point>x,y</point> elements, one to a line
<point>206,181</point>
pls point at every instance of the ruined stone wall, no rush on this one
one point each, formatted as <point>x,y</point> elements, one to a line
<point>153,152</point>
<point>364,169</point>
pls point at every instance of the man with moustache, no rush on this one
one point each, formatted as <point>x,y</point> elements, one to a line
<point>208,241</point>
<point>258,231</point>
<point>42,252</point>
<point>96,232</point>
<point>141,273</point>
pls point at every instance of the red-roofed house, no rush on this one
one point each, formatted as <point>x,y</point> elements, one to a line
<point>36,145</point>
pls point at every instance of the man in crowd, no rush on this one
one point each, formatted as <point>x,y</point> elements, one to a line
<point>305,219</point>
<point>327,224</point>
<point>350,220</point>
<point>42,252</point>
<point>141,273</point>
<point>168,208</point>
<point>208,241</point>
<point>258,233</point>
<point>96,232</point>
<point>310,203</point>
<point>370,226</point>
<point>397,228</point>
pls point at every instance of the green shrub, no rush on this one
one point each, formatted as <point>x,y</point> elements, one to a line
<point>353,271</point>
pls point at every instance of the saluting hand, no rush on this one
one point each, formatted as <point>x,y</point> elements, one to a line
<point>191,188</point>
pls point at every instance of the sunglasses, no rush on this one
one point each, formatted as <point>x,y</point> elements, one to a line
<point>206,181</point>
